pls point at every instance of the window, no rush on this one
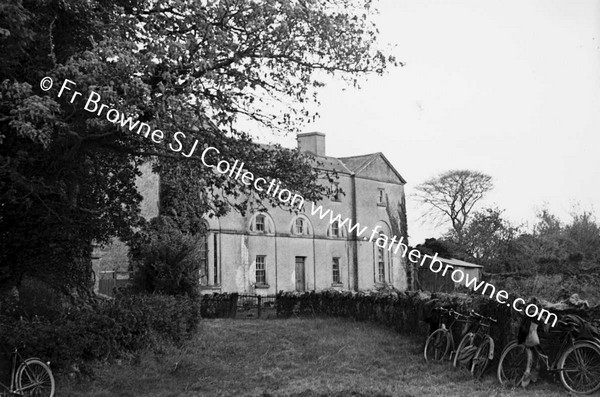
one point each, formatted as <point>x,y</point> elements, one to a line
<point>299,226</point>
<point>335,267</point>
<point>203,260</point>
<point>260,223</point>
<point>380,265</point>
<point>335,192</point>
<point>261,273</point>
<point>335,229</point>
<point>381,197</point>
<point>215,261</point>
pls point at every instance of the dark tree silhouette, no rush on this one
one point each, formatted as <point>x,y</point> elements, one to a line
<point>451,196</point>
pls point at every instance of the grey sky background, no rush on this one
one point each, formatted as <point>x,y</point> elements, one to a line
<point>510,88</point>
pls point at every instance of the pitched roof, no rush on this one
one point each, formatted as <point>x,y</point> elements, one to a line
<point>359,163</point>
<point>459,263</point>
<point>332,164</point>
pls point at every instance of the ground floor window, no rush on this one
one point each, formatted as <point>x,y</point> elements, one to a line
<point>215,261</point>
<point>203,260</point>
<point>380,265</point>
<point>261,274</point>
<point>335,266</point>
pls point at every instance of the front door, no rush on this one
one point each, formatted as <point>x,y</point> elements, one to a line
<point>300,286</point>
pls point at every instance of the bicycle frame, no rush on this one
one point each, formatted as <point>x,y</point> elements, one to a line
<point>14,355</point>
<point>455,317</point>
<point>567,339</point>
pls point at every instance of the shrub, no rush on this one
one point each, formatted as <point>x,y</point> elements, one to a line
<point>165,259</point>
<point>114,328</point>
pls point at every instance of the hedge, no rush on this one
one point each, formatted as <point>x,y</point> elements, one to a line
<point>114,328</point>
<point>410,312</point>
<point>218,305</point>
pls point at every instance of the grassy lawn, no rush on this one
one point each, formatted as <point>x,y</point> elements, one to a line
<point>295,357</point>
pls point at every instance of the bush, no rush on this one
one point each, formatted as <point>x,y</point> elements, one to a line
<point>114,328</point>
<point>166,260</point>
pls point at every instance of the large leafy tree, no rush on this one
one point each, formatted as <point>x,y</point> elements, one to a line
<point>67,175</point>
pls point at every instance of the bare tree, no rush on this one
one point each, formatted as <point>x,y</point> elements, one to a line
<point>452,195</point>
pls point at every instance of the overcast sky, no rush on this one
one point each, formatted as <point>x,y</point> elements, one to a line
<point>510,88</point>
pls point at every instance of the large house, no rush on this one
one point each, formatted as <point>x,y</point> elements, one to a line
<point>266,252</point>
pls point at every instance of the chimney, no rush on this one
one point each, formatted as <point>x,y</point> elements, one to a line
<point>313,142</point>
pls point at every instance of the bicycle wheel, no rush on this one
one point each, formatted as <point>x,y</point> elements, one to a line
<point>514,364</point>
<point>579,368</point>
<point>465,342</point>
<point>437,345</point>
<point>34,378</point>
<point>482,358</point>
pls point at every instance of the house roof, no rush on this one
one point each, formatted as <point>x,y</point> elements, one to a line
<point>332,164</point>
<point>459,263</point>
<point>359,163</point>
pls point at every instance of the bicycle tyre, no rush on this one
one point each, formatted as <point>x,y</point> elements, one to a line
<point>466,341</point>
<point>513,374</point>
<point>482,357</point>
<point>38,380</point>
<point>580,351</point>
<point>439,342</point>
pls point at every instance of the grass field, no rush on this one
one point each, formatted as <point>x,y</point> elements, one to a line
<point>295,357</point>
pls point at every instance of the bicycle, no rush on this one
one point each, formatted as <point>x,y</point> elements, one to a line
<point>476,348</point>
<point>31,378</point>
<point>441,341</point>
<point>577,360</point>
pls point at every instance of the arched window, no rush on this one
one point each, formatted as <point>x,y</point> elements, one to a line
<point>261,223</point>
<point>203,255</point>
<point>335,230</point>
<point>301,226</point>
<point>381,254</point>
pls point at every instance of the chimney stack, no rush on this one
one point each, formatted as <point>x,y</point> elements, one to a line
<point>313,142</point>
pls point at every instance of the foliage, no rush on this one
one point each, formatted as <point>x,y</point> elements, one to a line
<point>165,259</point>
<point>219,305</point>
<point>490,240</point>
<point>452,195</point>
<point>551,248</point>
<point>110,329</point>
<point>67,175</point>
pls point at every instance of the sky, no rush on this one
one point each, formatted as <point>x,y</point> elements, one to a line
<point>510,88</point>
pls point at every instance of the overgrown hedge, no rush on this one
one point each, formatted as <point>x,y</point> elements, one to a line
<point>219,305</point>
<point>407,312</point>
<point>114,328</point>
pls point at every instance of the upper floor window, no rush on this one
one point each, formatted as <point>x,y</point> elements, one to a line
<point>381,199</point>
<point>335,229</point>
<point>299,226</point>
<point>260,223</point>
<point>335,192</point>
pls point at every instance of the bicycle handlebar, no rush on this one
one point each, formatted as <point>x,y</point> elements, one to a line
<point>473,313</point>
<point>450,312</point>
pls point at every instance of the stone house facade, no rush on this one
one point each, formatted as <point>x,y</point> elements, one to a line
<point>265,252</point>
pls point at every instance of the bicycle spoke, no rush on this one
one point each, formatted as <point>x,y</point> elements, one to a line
<point>581,369</point>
